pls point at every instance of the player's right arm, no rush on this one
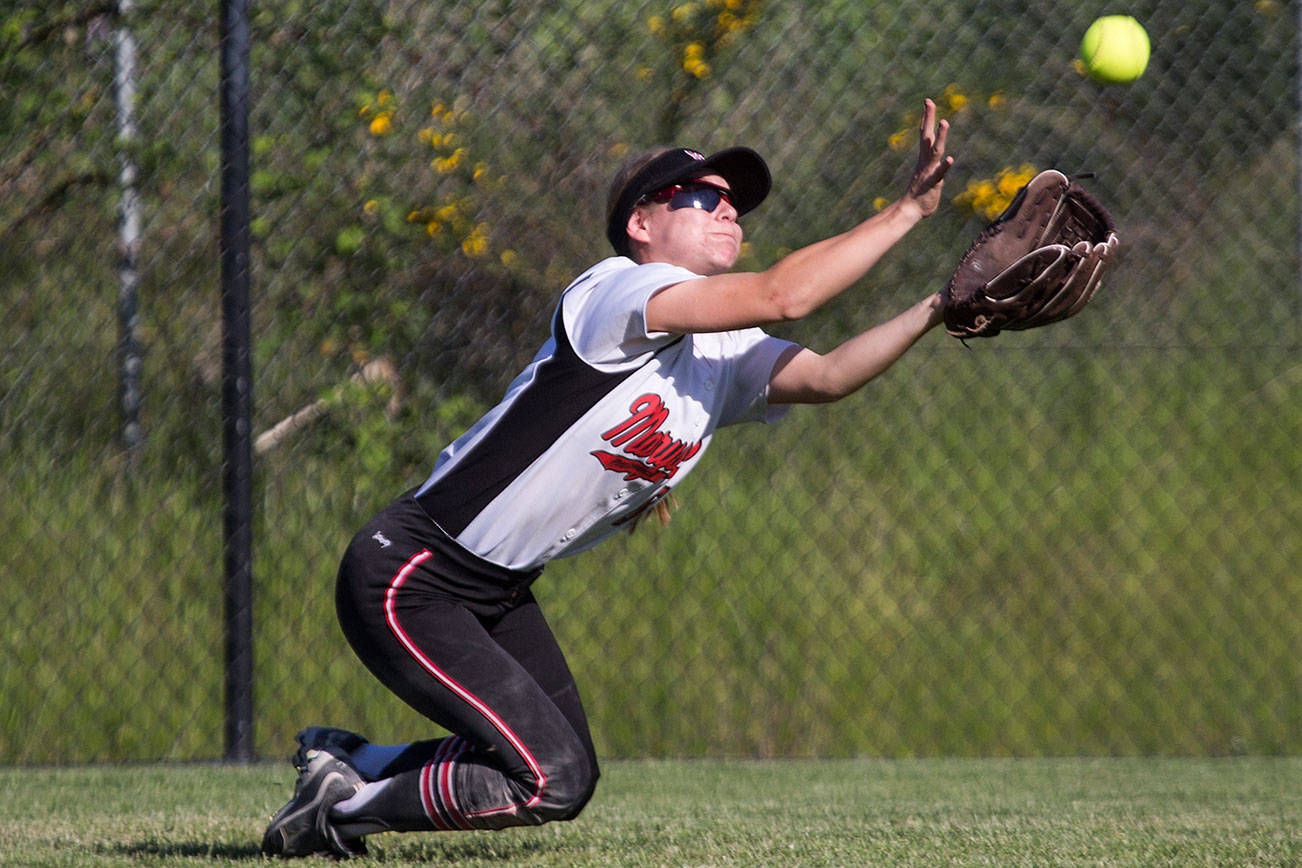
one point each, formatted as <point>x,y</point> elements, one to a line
<point>805,280</point>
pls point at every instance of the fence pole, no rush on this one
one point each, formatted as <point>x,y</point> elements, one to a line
<point>124,87</point>
<point>237,380</point>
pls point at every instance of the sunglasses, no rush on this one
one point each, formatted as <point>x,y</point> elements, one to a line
<point>696,194</point>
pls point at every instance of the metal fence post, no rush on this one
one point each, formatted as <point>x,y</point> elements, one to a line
<point>124,86</point>
<point>237,379</point>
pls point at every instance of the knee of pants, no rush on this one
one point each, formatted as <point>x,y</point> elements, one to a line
<point>568,789</point>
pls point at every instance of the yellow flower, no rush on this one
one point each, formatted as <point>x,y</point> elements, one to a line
<point>898,140</point>
<point>384,97</point>
<point>644,73</point>
<point>447,212</point>
<point>444,165</point>
<point>997,101</point>
<point>1008,184</point>
<point>694,50</point>
<point>698,68</point>
<point>880,203</point>
<point>438,109</point>
<point>426,136</point>
<point>656,25</point>
<point>682,13</point>
<point>381,124</point>
<point>372,207</point>
<point>474,244</point>
<point>509,258</point>
<point>432,228</point>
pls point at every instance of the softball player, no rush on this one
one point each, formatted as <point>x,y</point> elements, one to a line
<point>650,351</point>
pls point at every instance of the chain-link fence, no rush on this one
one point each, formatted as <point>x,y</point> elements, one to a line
<point>1083,539</point>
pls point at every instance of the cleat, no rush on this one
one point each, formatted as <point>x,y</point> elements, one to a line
<point>303,827</point>
<point>339,742</point>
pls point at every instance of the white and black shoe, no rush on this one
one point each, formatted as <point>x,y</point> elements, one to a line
<point>339,742</point>
<point>303,827</point>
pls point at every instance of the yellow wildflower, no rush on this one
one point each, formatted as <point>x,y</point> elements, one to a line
<point>432,228</point>
<point>381,124</point>
<point>509,258</point>
<point>1007,184</point>
<point>444,165</point>
<point>880,203</point>
<point>953,97</point>
<point>475,244</point>
<point>656,25</point>
<point>372,207</point>
<point>438,110</point>
<point>384,97</point>
<point>682,13</point>
<point>898,140</point>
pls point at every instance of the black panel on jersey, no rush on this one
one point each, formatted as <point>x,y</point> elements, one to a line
<point>564,388</point>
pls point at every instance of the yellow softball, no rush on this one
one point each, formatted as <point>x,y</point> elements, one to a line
<point>1115,49</point>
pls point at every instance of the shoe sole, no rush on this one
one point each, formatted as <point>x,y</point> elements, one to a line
<point>293,830</point>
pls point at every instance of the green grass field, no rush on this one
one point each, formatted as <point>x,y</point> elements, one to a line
<point>714,812</point>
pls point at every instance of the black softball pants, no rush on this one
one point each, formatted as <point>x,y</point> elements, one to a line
<point>465,643</point>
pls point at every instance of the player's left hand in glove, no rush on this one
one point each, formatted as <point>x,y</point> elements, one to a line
<point>1039,262</point>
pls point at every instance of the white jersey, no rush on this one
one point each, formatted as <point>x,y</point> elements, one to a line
<point>603,422</point>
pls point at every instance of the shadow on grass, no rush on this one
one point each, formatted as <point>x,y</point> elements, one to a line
<point>431,848</point>
<point>184,850</point>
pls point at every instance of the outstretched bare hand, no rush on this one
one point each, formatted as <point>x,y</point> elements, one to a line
<point>929,174</point>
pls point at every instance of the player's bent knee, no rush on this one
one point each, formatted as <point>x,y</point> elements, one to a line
<point>568,789</point>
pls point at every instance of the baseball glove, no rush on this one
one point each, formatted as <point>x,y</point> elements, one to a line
<point>1039,262</point>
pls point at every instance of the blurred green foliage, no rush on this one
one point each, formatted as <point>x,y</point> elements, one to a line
<point>1069,541</point>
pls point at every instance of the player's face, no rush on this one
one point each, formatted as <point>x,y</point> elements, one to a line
<point>694,228</point>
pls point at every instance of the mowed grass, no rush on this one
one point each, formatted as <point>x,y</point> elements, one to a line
<point>1243,811</point>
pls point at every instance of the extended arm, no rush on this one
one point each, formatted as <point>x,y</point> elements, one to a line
<point>806,377</point>
<point>805,280</point>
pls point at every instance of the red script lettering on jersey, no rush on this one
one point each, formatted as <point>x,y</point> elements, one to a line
<point>640,436</point>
